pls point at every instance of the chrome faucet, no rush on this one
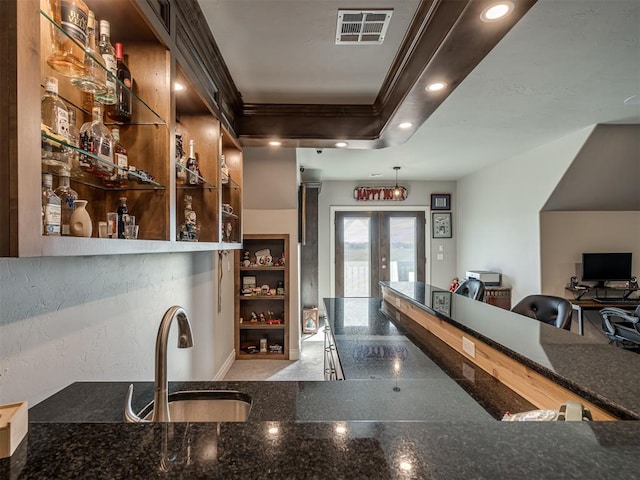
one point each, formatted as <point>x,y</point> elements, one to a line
<point>161,394</point>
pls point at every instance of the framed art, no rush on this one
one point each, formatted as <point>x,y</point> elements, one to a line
<point>310,320</point>
<point>440,201</point>
<point>441,302</point>
<point>441,225</point>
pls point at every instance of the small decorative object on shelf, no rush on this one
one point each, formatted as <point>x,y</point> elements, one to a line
<point>54,124</point>
<point>264,258</point>
<point>181,161</point>
<point>109,56</point>
<point>119,177</point>
<point>189,231</point>
<point>68,55</point>
<point>68,197</point>
<point>454,284</point>
<point>246,259</point>
<point>224,170</point>
<point>51,208</point>
<point>96,139</point>
<point>80,223</point>
<point>95,78</point>
<point>193,167</point>
<point>280,288</point>
<point>120,111</point>
<point>122,211</point>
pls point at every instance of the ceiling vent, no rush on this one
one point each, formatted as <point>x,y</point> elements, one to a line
<point>362,26</point>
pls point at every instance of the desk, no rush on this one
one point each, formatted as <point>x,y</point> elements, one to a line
<point>590,304</point>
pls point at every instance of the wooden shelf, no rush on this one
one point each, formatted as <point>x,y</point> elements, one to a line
<point>261,326</point>
<point>249,332</point>
<point>262,297</point>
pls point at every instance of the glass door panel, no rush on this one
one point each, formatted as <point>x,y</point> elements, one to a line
<point>357,257</point>
<point>402,249</point>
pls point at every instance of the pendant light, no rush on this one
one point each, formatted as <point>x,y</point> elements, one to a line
<point>397,193</point>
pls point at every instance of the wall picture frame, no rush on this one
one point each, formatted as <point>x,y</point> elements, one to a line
<point>440,201</point>
<point>441,225</point>
<point>441,302</point>
<point>310,320</point>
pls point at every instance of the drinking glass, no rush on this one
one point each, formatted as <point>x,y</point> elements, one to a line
<point>131,232</point>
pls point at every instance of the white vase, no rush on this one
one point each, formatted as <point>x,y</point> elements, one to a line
<point>80,223</point>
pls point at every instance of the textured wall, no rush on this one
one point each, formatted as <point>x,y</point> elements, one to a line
<point>96,318</point>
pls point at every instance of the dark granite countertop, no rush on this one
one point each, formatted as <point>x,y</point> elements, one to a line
<point>602,373</point>
<point>355,429</point>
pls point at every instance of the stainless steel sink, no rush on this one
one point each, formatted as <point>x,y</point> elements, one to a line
<point>204,406</point>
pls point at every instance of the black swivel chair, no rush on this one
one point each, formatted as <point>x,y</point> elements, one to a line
<point>472,288</point>
<point>621,327</point>
<point>555,311</point>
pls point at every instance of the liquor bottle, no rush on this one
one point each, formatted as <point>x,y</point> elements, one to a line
<point>68,53</point>
<point>120,111</point>
<point>74,140</point>
<point>193,168</point>
<point>94,81</point>
<point>189,231</point>
<point>109,56</point>
<point>119,177</point>
<point>181,161</point>
<point>122,211</point>
<point>51,209</point>
<point>55,124</point>
<point>68,198</point>
<point>224,170</point>
<point>96,139</point>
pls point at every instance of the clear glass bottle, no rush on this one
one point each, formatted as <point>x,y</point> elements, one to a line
<point>51,208</point>
<point>68,53</point>
<point>224,170</point>
<point>181,161</point>
<point>122,211</point>
<point>96,139</point>
<point>109,56</point>
<point>55,124</point>
<point>189,231</point>
<point>192,164</point>
<point>68,198</point>
<point>95,79</point>
<point>121,159</point>
<point>74,140</point>
<point>120,111</point>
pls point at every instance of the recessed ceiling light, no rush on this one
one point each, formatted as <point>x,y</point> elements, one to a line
<point>496,11</point>
<point>372,175</point>
<point>275,143</point>
<point>405,125</point>
<point>341,144</point>
<point>434,87</point>
<point>178,87</point>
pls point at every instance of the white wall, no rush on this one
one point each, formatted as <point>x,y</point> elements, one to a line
<point>566,235</point>
<point>340,194</point>
<point>270,199</point>
<point>95,319</point>
<point>498,213</point>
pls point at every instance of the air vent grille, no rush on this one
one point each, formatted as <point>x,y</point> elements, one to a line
<point>362,26</point>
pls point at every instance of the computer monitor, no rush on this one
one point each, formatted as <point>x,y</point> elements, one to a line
<point>603,267</point>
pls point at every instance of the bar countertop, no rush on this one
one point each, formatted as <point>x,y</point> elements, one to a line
<point>602,373</point>
<point>354,429</point>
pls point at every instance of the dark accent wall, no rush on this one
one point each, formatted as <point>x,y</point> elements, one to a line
<point>309,249</point>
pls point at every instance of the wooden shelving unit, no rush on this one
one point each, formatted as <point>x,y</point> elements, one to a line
<point>248,334</point>
<point>162,46</point>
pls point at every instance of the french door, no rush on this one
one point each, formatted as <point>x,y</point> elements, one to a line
<point>376,246</point>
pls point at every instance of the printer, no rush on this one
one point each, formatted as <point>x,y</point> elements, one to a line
<point>490,279</point>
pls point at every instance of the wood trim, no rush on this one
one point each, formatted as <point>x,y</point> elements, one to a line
<point>529,384</point>
<point>446,38</point>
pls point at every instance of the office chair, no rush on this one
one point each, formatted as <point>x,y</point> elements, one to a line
<point>555,311</point>
<point>621,327</point>
<point>472,288</point>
